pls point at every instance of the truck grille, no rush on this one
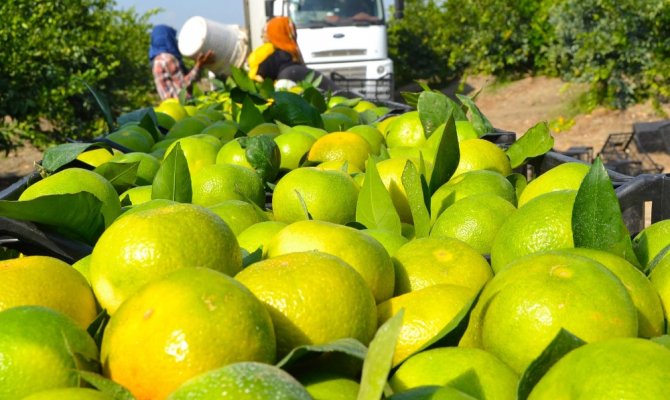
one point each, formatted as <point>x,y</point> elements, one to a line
<point>347,73</point>
<point>371,89</point>
<point>339,53</point>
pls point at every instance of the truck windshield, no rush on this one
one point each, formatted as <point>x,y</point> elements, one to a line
<point>320,13</point>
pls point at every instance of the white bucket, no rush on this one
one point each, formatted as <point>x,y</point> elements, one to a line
<point>229,43</point>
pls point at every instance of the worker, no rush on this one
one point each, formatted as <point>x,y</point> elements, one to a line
<point>279,57</point>
<point>170,74</point>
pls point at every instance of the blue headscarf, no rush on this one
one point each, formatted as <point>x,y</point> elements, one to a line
<point>164,40</point>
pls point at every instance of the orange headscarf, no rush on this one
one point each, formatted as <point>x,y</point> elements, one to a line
<point>281,32</point>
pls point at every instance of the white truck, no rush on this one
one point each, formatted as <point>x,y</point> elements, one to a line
<point>343,39</point>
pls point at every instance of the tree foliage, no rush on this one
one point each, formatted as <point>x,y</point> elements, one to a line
<point>49,48</point>
<point>621,47</point>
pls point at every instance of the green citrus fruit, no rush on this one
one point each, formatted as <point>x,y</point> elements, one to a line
<point>36,351</point>
<point>425,262</point>
<point>293,147</point>
<point>75,180</point>
<point>476,154</point>
<point>651,241</point>
<point>427,312</point>
<point>475,372</point>
<point>645,297</point>
<point>525,305</point>
<point>186,126</point>
<point>219,182</point>
<point>474,220</point>
<point>181,325</point>
<point>238,214</point>
<point>544,223</point>
<point>325,195</point>
<point>365,254</point>
<point>312,298</point>
<point>627,368</point>
<point>259,235</point>
<point>468,184</point>
<point>146,169</point>
<point>406,130</point>
<point>567,176</point>
<point>341,146</point>
<point>242,381</point>
<point>148,244</point>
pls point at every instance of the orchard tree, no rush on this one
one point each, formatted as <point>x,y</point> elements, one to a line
<point>51,50</point>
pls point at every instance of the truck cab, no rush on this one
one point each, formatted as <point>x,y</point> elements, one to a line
<point>343,39</point>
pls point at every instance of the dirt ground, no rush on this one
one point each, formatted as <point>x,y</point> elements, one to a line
<point>515,106</point>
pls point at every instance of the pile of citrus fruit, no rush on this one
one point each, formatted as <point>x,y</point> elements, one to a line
<point>291,245</point>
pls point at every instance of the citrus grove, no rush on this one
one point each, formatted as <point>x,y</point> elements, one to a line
<point>253,243</point>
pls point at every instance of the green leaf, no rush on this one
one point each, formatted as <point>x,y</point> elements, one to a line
<point>519,183</point>
<point>63,154</point>
<point>348,346</point>
<point>173,180</point>
<point>597,222</point>
<point>535,142</point>
<point>242,80</point>
<point>657,259</point>
<point>145,118</point>
<point>446,156</point>
<point>316,99</point>
<point>121,175</point>
<point>293,110</point>
<point>479,121</point>
<point>563,343</point>
<point>411,98</point>
<point>374,207</point>
<point>433,111</point>
<point>378,360</point>
<point>418,198</point>
<point>368,117</point>
<point>250,116</point>
<point>97,328</point>
<point>263,154</point>
<point>253,257</point>
<point>106,386</point>
<point>663,340</point>
<point>303,205</point>
<point>76,215</point>
<point>103,105</point>
<point>267,89</point>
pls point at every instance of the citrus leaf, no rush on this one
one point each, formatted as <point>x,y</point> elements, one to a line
<point>374,207</point>
<point>121,175</point>
<point>173,180</point>
<point>103,105</point>
<point>97,328</point>
<point>657,259</point>
<point>63,154</point>
<point>481,124</point>
<point>519,183</point>
<point>563,343</point>
<point>446,156</point>
<point>349,346</point>
<point>433,111</point>
<point>250,116</point>
<point>145,118</point>
<point>293,110</point>
<point>74,215</point>
<point>106,386</point>
<point>597,222</point>
<point>267,89</point>
<point>418,199</point>
<point>242,80</point>
<point>315,98</point>
<point>411,98</point>
<point>535,142</point>
<point>663,340</point>
<point>378,360</point>
<point>303,205</point>
<point>253,257</point>
<point>263,154</point>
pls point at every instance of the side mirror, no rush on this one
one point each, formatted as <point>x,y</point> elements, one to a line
<point>399,9</point>
<point>269,9</point>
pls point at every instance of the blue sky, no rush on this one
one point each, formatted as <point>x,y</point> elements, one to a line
<point>176,12</point>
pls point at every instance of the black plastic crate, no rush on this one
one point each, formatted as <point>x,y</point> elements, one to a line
<point>652,136</point>
<point>371,89</point>
<point>622,154</point>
